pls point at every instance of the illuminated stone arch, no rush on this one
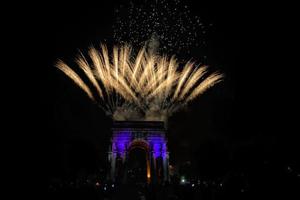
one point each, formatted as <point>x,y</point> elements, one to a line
<point>147,135</point>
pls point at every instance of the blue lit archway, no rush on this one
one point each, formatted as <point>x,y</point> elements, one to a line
<point>147,135</point>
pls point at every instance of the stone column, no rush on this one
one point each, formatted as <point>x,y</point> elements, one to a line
<point>113,166</point>
<point>124,165</point>
<point>166,166</point>
<point>153,168</point>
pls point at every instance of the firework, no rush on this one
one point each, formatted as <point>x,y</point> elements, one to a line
<point>169,26</point>
<point>139,86</point>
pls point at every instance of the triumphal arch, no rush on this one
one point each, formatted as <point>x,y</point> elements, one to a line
<point>138,152</point>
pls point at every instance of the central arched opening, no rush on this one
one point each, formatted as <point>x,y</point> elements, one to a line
<point>138,169</point>
<point>137,166</point>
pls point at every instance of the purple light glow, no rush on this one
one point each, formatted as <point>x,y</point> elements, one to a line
<point>158,143</point>
<point>123,139</point>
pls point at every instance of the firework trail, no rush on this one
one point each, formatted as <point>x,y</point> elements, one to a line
<point>144,86</point>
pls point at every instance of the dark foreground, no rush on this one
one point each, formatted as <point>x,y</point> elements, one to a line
<point>192,191</point>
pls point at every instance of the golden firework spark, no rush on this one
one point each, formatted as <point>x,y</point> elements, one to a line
<point>144,83</point>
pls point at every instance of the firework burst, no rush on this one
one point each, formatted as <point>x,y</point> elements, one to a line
<point>142,86</point>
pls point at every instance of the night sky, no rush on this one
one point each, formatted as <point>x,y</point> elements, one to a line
<point>234,125</point>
